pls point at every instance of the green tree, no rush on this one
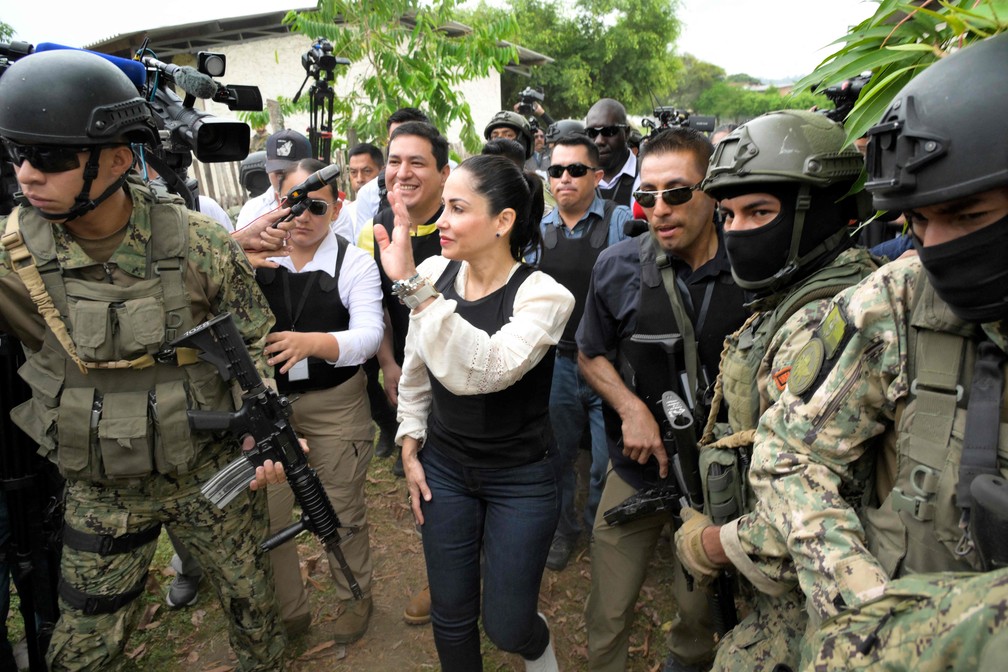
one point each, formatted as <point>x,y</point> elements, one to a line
<point>697,76</point>
<point>6,32</point>
<point>898,42</point>
<point>411,59</point>
<point>621,49</point>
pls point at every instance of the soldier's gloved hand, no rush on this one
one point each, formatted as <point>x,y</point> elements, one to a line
<point>689,546</point>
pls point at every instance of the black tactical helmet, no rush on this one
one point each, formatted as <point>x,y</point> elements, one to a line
<point>931,147</point>
<point>516,121</point>
<point>252,173</point>
<point>72,97</point>
<point>558,129</point>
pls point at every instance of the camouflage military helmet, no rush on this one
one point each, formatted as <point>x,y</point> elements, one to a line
<point>515,121</point>
<point>790,146</point>
<point>558,129</point>
<point>72,97</point>
<point>943,136</point>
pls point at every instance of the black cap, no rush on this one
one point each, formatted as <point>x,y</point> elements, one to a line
<point>284,149</point>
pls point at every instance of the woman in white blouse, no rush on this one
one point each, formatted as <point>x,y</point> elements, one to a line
<point>473,402</point>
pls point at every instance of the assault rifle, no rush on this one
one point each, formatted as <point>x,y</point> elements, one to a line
<point>685,489</point>
<point>265,415</point>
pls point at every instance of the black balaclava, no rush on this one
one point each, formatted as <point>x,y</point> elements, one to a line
<point>778,254</point>
<point>970,273</point>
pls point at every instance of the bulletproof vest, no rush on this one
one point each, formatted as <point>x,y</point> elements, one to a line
<point>308,302</point>
<point>423,247</point>
<point>620,193</point>
<point>916,528</point>
<point>570,262</point>
<point>119,423</point>
<point>506,428</point>
<point>725,461</point>
<point>651,360</point>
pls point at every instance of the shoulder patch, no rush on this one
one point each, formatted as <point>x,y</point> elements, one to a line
<point>781,378</point>
<point>806,366</point>
<point>833,330</point>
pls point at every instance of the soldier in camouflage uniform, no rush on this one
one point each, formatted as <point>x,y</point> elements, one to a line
<point>787,216</point>
<point>97,276</point>
<point>881,470</point>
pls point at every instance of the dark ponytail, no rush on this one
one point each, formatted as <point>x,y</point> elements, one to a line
<point>504,186</point>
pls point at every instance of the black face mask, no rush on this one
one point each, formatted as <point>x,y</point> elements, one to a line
<point>970,273</point>
<point>757,254</point>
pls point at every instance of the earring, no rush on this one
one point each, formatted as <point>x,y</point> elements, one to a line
<point>497,234</point>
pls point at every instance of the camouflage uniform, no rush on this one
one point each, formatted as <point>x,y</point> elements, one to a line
<point>770,633</point>
<point>830,470</point>
<point>98,610</point>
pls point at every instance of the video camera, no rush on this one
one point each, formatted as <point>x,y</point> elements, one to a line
<point>844,95</point>
<point>527,98</point>
<point>319,59</point>
<point>668,116</point>
<point>187,131</point>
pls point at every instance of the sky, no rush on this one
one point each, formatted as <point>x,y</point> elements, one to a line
<point>768,39</point>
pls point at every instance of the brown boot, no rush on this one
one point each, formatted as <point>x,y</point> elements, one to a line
<point>418,610</point>
<point>352,623</point>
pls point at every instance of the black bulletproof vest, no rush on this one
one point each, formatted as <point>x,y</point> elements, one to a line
<point>423,247</point>
<point>643,358</point>
<point>308,302</point>
<point>570,262</point>
<point>501,429</point>
<point>621,192</point>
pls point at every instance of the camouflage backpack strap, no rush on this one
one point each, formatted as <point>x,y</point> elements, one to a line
<point>934,368</point>
<point>24,264</point>
<point>169,244</point>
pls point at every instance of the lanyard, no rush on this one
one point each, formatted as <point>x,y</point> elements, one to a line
<point>295,314</point>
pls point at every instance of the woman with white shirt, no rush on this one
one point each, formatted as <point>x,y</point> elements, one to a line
<point>473,402</point>
<point>327,300</point>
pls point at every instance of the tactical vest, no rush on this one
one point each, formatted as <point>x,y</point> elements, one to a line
<point>570,262</point>
<point>124,416</point>
<point>506,428</point>
<point>916,528</point>
<point>308,302</point>
<point>727,492</point>
<point>621,193</point>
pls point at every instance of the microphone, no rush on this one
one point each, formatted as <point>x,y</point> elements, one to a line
<point>135,71</point>
<point>297,198</point>
<point>189,79</point>
<point>315,181</point>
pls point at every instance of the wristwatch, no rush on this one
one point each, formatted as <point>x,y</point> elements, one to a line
<point>413,291</point>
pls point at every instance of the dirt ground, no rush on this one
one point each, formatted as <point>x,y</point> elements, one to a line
<point>194,639</point>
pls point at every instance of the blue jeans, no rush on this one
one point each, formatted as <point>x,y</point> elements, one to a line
<point>509,514</point>
<point>574,405</point>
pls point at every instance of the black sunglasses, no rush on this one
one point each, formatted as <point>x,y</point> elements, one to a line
<point>575,170</point>
<point>317,206</point>
<point>45,158</point>
<point>606,131</point>
<point>676,196</point>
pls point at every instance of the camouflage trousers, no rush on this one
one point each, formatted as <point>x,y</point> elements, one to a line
<point>924,622</point>
<point>224,541</point>
<point>769,635</point>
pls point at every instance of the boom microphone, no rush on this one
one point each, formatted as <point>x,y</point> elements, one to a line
<point>189,79</point>
<point>315,181</point>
